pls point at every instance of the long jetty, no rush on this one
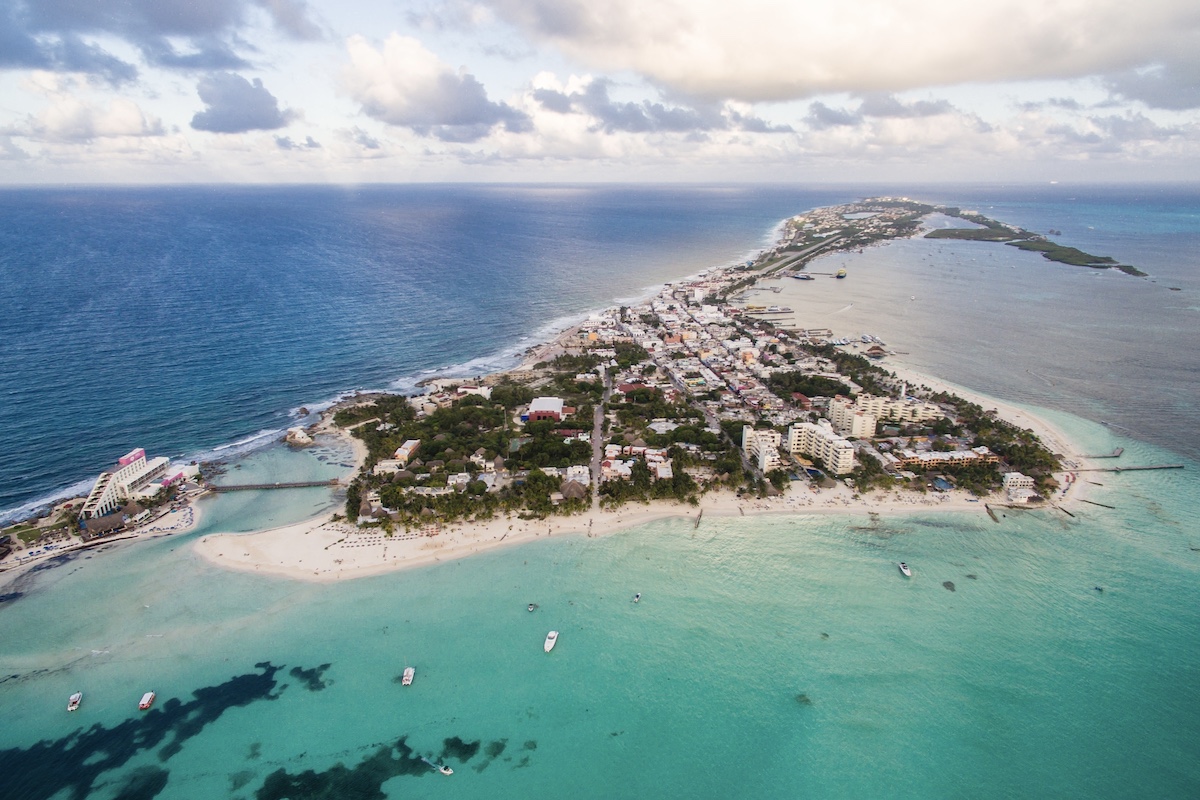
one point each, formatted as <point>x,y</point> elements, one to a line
<point>1114,454</point>
<point>1130,469</point>
<point>242,487</point>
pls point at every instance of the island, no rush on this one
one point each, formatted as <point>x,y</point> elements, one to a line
<point>691,402</point>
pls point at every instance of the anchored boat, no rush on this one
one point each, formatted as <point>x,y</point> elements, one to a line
<point>146,701</point>
<point>74,702</point>
<point>551,640</point>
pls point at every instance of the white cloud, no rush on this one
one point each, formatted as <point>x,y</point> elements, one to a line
<point>405,84</point>
<point>68,117</point>
<point>760,50</point>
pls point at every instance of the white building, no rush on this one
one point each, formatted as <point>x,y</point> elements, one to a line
<point>406,451</point>
<point>904,409</point>
<point>762,447</point>
<point>546,408</point>
<point>849,420</point>
<point>820,441</point>
<point>581,474</point>
<point>131,473</point>
<point>1018,487</point>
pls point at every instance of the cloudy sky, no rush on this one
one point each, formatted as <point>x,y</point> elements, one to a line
<point>166,91</point>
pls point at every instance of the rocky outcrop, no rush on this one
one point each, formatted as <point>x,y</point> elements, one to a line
<point>298,437</point>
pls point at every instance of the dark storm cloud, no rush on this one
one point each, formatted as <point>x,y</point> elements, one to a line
<point>878,105</point>
<point>1175,87</point>
<point>364,139</point>
<point>236,105</point>
<point>648,117</point>
<point>46,34</point>
<point>286,143</point>
<point>822,117</point>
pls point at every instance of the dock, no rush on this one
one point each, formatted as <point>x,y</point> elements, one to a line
<point>1114,454</point>
<point>1131,469</point>
<point>246,487</point>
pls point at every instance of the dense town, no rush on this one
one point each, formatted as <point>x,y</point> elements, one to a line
<point>691,391</point>
<point>694,390</point>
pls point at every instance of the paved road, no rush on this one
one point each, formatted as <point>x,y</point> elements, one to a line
<point>597,440</point>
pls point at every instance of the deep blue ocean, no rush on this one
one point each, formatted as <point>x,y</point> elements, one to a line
<point>769,657</point>
<point>187,319</point>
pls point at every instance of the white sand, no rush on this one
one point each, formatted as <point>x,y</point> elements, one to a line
<point>325,550</point>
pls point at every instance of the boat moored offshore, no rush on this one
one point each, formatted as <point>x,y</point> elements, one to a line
<point>73,703</point>
<point>146,701</point>
<point>551,640</point>
<point>409,674</point>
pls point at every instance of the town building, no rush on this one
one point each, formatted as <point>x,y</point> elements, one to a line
<point>761,447</point>
<point>849,420</point>
<point>405,452</point>
<point>820,441</point>
<point>930,459</point>
<point>548,408</point>
<point>1017,487</point>
<point>904,409</point>
<point>130,474</point>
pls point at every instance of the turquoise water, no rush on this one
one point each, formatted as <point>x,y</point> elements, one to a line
<point>258,510</point>
<point>769,657</point>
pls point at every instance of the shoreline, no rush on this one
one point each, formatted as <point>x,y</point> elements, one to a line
<point>335,549</point>
<point>321,550</point>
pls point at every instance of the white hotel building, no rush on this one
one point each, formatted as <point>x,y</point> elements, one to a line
<point>849,420</point>
<point>903,409</point>
<point>820,441</point>
<point>131,473</point>
<point>762,447</point>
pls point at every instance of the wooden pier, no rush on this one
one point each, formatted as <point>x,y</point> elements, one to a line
<point>1114,454</point>
<point>245,487</point>
<point>1130,469</point>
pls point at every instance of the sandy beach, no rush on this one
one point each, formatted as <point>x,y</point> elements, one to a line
<point>326,549</point>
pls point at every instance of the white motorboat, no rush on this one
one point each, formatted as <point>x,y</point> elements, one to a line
<point>75,700</point>
<point>409,673</point>
<point>551,640</point>
<point>442,768</point>
<point>637,598</point>
<point>146,701</point>
<point>904,569</point>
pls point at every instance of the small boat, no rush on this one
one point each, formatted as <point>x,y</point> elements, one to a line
<point>841,273</point>
<point>533,606</point>
<point>551,640</point>
<point>904,568</point>
<point>442,768</point>
<point>637,597</point>
<point>74,702</point>
<point>407,678</point>
<point>146,701</point>
<point>804,277</point>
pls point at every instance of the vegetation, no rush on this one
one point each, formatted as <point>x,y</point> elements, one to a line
<point>993,231</point>
<point>785,384</point>
<point>1019,447</point>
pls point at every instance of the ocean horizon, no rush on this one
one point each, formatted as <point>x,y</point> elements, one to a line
<point>769,657</point>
